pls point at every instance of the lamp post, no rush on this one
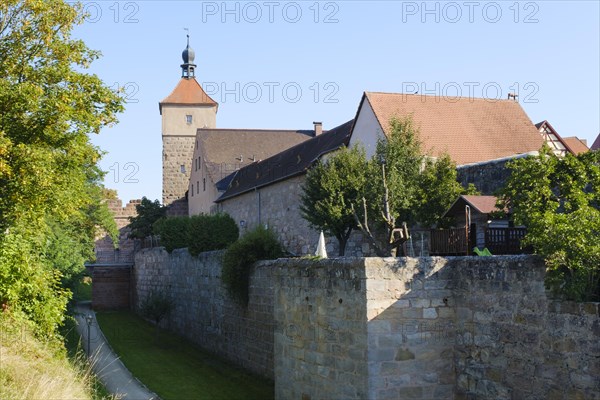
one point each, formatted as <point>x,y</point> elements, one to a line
<point>89,319</point>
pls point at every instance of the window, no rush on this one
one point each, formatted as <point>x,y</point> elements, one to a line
<point>199,163</point>
<point>182,169</point>
<point>204,183</point>
<point>197,187</point>
<point>196,164</point>
<point>188,119</point>
<point>192,190</point>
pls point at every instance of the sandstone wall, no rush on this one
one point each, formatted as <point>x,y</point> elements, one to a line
<point>203,312</point>
<point>178,151</point>
<point>421,328</point>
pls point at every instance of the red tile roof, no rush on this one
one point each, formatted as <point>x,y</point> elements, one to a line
<point>188,91</point>
<point>576,145</point>
<point>469,129</point>
<point>480,204</point>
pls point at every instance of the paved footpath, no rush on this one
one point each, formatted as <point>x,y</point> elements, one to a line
<point>106,364</point>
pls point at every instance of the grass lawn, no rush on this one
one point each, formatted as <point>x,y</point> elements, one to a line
<point>174,368</point>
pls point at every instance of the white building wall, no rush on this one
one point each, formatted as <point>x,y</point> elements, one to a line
<point>366,130</point>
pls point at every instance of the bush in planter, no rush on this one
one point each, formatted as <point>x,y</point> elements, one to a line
<point>259,244</point>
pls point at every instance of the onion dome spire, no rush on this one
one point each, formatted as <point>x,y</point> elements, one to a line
<point>188,67</point>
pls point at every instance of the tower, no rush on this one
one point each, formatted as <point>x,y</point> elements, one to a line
<point>183,111</point>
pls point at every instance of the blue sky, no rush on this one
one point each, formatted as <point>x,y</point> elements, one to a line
<point>283,64</point>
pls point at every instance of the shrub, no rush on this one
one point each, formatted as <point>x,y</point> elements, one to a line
<point>211,232</point>
<point>173,232</point>
<point>156,306</point>
<point>259,244</point>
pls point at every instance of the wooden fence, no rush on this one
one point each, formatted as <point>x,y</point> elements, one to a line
<point>506,240</point>
<point>457,242</point>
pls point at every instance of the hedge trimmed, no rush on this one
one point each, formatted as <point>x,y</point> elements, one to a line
<point>198,233</point>
<point>211,232</point>
<point>173,232</point>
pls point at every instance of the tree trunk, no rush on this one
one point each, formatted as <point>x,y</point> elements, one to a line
<point>342,243</point>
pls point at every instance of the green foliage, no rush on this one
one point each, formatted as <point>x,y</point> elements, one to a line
<point>259,244</point>
<point>404,184</point>
<point>421,188</point>
<point>197,233</point>
<point>173,232</point>
<point>330,189</point>
<point>558,200</point>
<point>403,156</point>
<point>436,191</point>
<point>148,212</point>
<point>51,204</point>
<point>30,287</point>
<point>211,232</point>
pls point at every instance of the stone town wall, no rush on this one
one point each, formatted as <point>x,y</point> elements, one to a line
<point>278,207</point>
<point>203,312</point>
<point>513,342</point>
<point>104,248</point>
<point>422,328</point>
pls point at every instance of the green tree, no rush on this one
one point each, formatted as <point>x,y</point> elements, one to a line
<point>330,189</point>
<point>49,179</point>
<point>558,200</point>
<point>405,186</point>
<point>148,212</point>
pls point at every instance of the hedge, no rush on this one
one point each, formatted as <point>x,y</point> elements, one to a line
<point>198,233</point>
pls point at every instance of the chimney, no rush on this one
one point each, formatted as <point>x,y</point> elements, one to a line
<point>318,128</point>
<point>513,96</point>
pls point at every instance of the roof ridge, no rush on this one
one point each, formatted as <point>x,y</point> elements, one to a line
<point>469,98</point>
<point>208,130</point>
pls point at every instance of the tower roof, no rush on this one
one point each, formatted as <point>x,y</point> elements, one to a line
<point>188,68</point>
<point>188,92</point>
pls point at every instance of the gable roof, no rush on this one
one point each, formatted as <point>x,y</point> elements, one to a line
<point>576,145</point>
<point>596,144</point>
<point>480,204</point>
<point>189,92</point>
<point>225,151</point>
<point>552,138</point>
<point>469,129</point>
<point>289,163</point>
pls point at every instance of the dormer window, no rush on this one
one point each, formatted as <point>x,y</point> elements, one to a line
<point>188,119</point>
